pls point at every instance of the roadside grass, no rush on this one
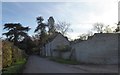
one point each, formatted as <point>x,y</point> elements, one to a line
<point>0,64</point>
<point>64,61</point>
<point>14,68</point>
<point>68,61</point>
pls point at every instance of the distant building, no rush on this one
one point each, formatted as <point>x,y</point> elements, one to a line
<point>55,40</point>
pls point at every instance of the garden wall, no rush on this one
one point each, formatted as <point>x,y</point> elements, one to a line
<point>100,49</point>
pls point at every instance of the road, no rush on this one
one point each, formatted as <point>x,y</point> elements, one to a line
<point>36,64</point>
<point>40,65</point>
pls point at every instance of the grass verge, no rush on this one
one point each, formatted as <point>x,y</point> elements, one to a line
<point>64,61</point>
<point>15,68</point>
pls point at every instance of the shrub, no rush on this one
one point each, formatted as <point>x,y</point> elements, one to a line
<point>63,48</point>
<point>14,68</point>
<point>7,54</point>
<point>11,54</point>
<point>17,54</point>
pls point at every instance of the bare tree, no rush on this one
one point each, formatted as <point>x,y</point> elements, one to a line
<point>108,29</point>
<point>98,27</point>
<point>83,36</point>
<point>90,33</point>
<point>118,27</point>
<point>63,27</point>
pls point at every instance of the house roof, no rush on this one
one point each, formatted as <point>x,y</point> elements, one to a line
<point>54,35</point>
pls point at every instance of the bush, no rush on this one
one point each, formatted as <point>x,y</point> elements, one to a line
<point>63,48</point>
<point>11,54</point>
<point>7,54</point>
<point>17,54</point>
<point>14,68</point>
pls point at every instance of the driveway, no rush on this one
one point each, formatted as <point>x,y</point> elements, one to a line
<point>37,64</point>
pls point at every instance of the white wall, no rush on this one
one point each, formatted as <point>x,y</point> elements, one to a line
<point>58,40</point>
<point>101,49</point>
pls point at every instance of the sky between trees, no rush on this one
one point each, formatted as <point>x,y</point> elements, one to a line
<point>81,15</point>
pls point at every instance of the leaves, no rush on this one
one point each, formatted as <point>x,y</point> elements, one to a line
<point>14,31</point>
<point>41,29</point>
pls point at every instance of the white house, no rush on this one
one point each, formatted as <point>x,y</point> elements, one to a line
<point>57,39</point>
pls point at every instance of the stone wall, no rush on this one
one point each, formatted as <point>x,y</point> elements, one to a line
<point>100,49</point>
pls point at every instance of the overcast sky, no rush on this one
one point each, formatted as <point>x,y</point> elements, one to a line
<point>82,15</point>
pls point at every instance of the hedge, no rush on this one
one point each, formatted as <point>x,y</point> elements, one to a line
<point>11,54</point>
<point>7,54</point>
